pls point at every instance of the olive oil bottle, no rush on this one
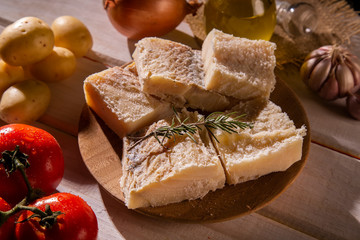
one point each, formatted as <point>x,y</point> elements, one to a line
<point>253,19</point>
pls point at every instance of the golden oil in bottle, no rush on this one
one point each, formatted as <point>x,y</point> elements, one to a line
<point>253,19</point>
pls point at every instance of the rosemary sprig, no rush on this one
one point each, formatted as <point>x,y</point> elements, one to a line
<point>216,120</point>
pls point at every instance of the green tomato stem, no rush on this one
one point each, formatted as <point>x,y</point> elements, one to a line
<point>17,208</point>
<point>32,193</point>
<point>21,168</point>
<point>16,160</point>
<point>47,218</point>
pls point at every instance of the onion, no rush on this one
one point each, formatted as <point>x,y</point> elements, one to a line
<point>144,18</point>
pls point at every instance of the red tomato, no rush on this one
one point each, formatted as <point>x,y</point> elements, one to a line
<point>7,229</point>
<point>78,220</point>
<point>45,157</point>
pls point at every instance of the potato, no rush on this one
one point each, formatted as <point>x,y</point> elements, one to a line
<point>9,75</point>
<point>60,64</point>
<point>24,102</point>
<point>72,34</point>
<point>26,41</point>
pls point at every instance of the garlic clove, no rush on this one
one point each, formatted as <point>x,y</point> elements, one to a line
<point>354,59</point>
<point>319,74</point>
<point>316,54</point>
<point>355,73</point>
<point>345,79</point>
<point>353,103</point>
<point>327,64</point>
<point>330,89</point>
<point>307,68</point>
<point>326,48</point>
<point>355,69</point>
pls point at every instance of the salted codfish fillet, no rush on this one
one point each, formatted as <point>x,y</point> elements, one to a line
<point>115,95</point>
<point>154,175</point>
<point>174,72</point>
<point>272,145</point>
<point>238,67</point>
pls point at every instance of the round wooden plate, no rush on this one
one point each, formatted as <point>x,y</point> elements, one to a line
<point>101,151</point>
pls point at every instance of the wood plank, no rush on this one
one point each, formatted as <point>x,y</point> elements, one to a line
<point>118,222</point>
<point>106,39</point>
<point>67,98</point>
<point>134,226</point>
<point>324,201</point>
<point>330,123</point>
<point>317,204</point>
<point>109,46</point>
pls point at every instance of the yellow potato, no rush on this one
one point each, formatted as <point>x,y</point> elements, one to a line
<point>26,41</point>
<point>72,34</point>
<point>60,64</point>
<point>24,102</point>
<point>9,75</point>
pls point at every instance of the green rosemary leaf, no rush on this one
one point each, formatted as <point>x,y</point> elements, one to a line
<point>191,137</point>
<point>216,120</point>
<point>212,134</point>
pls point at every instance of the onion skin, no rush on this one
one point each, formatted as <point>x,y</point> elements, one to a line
<point>144,18</point>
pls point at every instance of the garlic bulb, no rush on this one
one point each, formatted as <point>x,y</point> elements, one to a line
<point>353,102</point>
<point>331,71</point>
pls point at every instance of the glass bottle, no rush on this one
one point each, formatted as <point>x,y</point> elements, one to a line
<point>296,19</point>
<point>253,19</point>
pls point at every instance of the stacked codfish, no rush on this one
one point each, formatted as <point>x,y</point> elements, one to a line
<point>229,74</point>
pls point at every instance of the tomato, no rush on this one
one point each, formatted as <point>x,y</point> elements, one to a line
<point>7,229</point>
<point>44,156</point>
<point>78,220</point>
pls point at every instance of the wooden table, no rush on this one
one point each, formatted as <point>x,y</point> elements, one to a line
<point>323,202</point>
